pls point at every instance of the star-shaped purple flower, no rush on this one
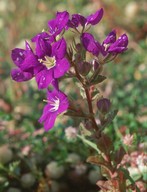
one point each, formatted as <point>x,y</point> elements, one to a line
<point>52,62</point>
<point>57,103</point>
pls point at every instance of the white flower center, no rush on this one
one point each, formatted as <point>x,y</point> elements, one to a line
<point>49,62</point>
<point>55,104</point>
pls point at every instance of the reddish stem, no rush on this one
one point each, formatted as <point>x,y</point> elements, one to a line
<point>88,96</point>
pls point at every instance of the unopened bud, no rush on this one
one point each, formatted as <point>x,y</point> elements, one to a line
<point>84,68</point>
<point>79,47</point>
<point>104,105</point>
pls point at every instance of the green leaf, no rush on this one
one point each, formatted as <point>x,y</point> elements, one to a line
<point>119,155</point>
<point>127,175</point>
<point>110,118</point>
<point>89,143</point>
<point>95,94</point>
<point>105,144</point>
<point>97,160</point>
<point>84,131</point>
<point>145,176</point>
<point>97,79</point>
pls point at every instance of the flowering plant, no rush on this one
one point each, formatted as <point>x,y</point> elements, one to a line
<point>54,59</point>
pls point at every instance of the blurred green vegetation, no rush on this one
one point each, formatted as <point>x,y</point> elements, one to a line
<point>21,103</point>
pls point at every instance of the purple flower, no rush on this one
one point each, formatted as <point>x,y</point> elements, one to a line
<point>95,18</point>
<point>25,60</point>
<point>90,44</point>
<point>111,38</point>
<point>119,45</point>
<point>92,19</point>
<point>57,103</point>
<point>52,65</point>
<point>59,23</point>
<point>109,46</point>
<point>77,20</point>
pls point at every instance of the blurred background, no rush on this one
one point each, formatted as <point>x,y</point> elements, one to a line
<point>56,161</point>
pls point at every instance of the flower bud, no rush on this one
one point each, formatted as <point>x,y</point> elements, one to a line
<point>79,47</point>
<point>103,105</point>
<point>84,67</point>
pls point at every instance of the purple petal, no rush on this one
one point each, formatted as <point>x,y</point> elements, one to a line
<point>48,119</point>
<point>19,76</point>
<point>120,45</point>
<point>44,78</point>
<point>90,44</point>
<point>55,83</point>
<point>59,49</point>
<point>63,99</point>
<point>62,66</point>
<point>38,68</point>
<point>77,20</point>
<point>73,23</point>
<point>45,114</point>
<point>29,62</point>
<point>52,94</point>
<point>64,104</point>
<point>117,49</point>
<point>111,38</point>
<point>43,35</point>
<point>28,47</point>
<point>43,46</point>
<point>52,26</point>
<point>95,18</point>
<point>18,56</point>
<point>62,18</point>
<point>59,23</point>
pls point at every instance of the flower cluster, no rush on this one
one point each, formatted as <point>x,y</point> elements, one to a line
<point>49,60</point>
